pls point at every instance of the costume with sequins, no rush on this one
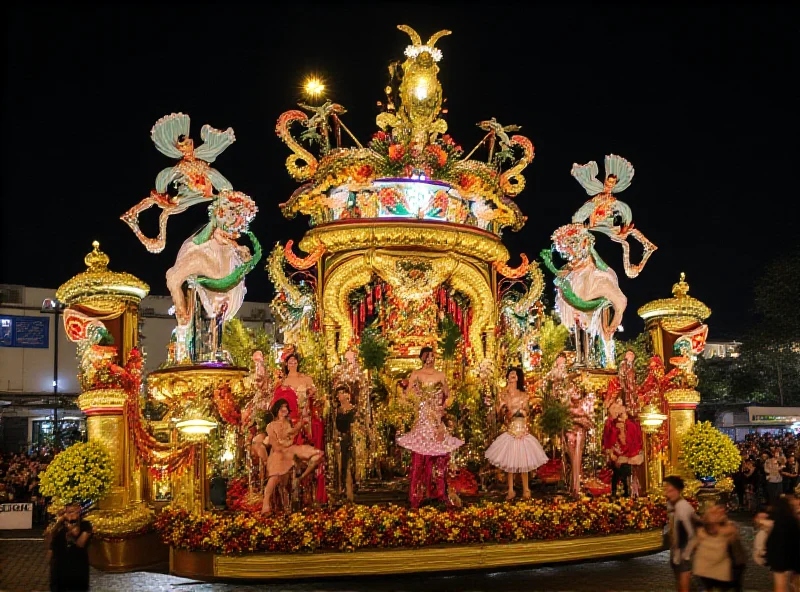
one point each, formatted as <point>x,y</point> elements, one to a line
<point>516,450</point>
<point>430,445</point>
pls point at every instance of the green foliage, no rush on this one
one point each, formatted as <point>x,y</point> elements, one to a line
<point>555,418</point>
<point>374,349</point>
<point>552,340</point>
<point>450,338</point>
<point>241,342</point>
<point>642,347</point>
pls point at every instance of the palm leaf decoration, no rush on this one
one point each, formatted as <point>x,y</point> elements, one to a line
<point>450,338</point>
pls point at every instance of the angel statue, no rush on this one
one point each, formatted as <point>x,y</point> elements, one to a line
<point>193,179</point>
<point>603,211</point>
<point>210,267</point>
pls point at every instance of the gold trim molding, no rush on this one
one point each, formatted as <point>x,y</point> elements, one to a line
<point>684,396</point>
<point>273,566</point>
<point>408,234</point>
<point>173,383</point>
<point>102,399</point>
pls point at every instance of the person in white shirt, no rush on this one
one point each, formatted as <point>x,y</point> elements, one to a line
<point>772,469</point>
<point>682,519</point>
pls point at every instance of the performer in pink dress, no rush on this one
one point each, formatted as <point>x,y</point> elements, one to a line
<point>428,440</point>
<point>281,461</point>
<point>516,450</point>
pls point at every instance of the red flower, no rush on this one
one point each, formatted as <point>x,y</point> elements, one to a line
<point>363,173</point>
<point>396,152</point>
<point>380,136</point>
<point>466,181</point>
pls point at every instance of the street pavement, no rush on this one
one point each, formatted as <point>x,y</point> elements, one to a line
<point>23,567</point>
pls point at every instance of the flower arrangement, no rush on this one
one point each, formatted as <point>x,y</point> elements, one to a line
<point>436,160</point>
<point>708,452</point>
<point>81,473</point>
<point>370,527</point>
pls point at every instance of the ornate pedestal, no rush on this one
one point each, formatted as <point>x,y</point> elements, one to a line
<point>122,514</point>
<point>682,406</point>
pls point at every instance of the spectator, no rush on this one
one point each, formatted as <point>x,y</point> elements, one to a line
<point>789,474</point>
<point>762,524</point>
<point>682,520</point>
<point>783,543</point>
<point>719,556</point>
<point>69,559</point>
<point>772,470</point>
<point>751,484</point>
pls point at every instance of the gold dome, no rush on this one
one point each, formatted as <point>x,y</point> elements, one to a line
<point>677,312</point>
<point>100,288</point>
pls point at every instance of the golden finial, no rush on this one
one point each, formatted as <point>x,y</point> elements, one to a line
<point>96,261</point>
<point>677,312</point>
<point>681,289</point>
<point>101,289</point>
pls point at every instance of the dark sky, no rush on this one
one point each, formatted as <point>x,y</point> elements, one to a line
<point>701,100</point>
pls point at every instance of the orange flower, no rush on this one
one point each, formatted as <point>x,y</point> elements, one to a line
<point>438,153</point>
<point>396,152</point>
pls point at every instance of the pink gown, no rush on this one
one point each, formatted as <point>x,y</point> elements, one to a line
<point>430,445</point>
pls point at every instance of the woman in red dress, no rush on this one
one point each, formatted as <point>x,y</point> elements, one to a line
<point>298,390</point>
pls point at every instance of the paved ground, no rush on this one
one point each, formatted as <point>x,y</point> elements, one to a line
<point>22,567</point>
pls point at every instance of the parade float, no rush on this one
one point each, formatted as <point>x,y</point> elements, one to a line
<point>403,261</point>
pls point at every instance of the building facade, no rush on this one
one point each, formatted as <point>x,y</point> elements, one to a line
<point>38,369</point>
<point>722,349</point>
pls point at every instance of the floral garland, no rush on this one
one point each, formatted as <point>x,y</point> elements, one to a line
<point>226,406</point>
<point>354,527</point>
<point>161,459</point>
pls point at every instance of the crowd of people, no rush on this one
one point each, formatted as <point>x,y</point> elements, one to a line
<point>710,547</point>
<point>769,469</point>
<point>19,481</point>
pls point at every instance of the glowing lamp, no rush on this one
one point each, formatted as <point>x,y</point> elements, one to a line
<point>195,428</point>
<point>421,89</point>
<point>314,87</point>
<point>651,419</point>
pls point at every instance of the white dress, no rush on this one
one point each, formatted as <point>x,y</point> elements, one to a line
<point>516,450</point>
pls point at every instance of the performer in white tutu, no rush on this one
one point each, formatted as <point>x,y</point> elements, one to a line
<point>515,450</point>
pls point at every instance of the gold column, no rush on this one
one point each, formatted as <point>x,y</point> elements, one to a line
<point>190,489</point>
<point>682,405</point>
<point>330,342</point>
<point>106,425</point>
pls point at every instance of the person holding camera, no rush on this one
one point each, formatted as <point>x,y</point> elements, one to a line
<point>68,555</point>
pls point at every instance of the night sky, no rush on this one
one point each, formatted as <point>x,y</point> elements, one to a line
<point>702,101</point>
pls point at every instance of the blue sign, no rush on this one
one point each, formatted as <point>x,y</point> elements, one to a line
<point>16,331</point>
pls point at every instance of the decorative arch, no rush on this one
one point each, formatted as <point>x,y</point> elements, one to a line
<point>358,271</point>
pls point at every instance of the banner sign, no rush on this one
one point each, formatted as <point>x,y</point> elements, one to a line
<point>16,516</point>
<point>17,331</point>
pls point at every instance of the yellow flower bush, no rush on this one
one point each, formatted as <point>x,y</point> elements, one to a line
<point>81,473</point>
<point>708,452</point>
